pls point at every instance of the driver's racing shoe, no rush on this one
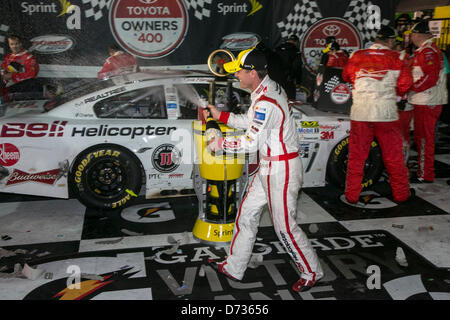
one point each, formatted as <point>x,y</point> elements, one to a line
<point>303,285</point>
<point>218,266</point>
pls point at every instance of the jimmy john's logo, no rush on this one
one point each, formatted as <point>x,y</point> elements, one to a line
<point>149,29</point>
<point>166,158</point>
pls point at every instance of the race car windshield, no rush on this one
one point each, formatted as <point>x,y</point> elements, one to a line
<point>79,89</point>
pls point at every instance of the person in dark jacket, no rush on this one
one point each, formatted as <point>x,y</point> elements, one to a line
<point>290,61</point>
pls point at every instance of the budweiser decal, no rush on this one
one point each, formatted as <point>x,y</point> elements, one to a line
<point>46,177</point>
<point>9,154</point>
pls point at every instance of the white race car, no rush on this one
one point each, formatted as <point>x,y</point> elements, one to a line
<point>105,140</point>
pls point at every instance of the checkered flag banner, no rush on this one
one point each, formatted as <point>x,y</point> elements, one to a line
<point>358,13</point>
<point>3,30</point>
<point>304,15</point>
<point>200,7</point>
<point>96,8</point>
<point>332,83</point>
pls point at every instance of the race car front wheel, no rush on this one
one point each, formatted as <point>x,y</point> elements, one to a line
<point>106,177</point>
<point>337,165</point>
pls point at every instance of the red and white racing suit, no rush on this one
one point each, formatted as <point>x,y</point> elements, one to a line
<point>378,76</point>
<point>29,63</point>
<point>337,59</point>
<point>271,130</point>
<point>119,62</point>
<point>429,93</point>
<point>405,115</point>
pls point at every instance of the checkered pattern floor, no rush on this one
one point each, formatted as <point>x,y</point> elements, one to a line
<point>130,255</point>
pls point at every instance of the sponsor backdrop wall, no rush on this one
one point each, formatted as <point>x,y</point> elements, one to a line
<point>70,38</point>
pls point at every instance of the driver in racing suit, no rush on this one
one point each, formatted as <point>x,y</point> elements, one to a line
<point>378,75</point>
<point>272,131</point>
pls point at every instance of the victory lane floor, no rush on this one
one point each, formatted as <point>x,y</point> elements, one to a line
<point>147,251</point>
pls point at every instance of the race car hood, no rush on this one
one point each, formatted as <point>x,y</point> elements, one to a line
<point>14,108</point>
<point>310,111</point>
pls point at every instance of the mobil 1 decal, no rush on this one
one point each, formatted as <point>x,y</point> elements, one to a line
<point>149,29</point>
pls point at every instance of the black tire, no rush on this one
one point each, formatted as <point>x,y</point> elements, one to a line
<point>337,165</point>
<point>106,177</point>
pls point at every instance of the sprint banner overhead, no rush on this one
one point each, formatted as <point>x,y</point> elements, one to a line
<point>70,37</point>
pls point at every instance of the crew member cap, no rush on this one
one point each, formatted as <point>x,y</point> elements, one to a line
<point>293,37</point>
<point>386,33</point>
<point>419,27</point>
<point>248,59</point>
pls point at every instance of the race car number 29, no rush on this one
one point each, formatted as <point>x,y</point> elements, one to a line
<point>149,29</point>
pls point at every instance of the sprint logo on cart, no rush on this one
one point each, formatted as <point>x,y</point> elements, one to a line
<point>149,29</point>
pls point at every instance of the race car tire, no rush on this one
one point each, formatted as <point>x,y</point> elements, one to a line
<point>337,165</point>
<point>106,177</point>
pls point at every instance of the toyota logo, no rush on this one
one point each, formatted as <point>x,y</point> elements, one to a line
<point>331,30</point>
<point>147,1</point>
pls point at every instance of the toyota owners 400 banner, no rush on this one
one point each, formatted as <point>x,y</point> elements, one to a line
<point>70,37</point>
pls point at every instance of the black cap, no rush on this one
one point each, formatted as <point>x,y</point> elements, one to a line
<point>403,19</point>
<point>248,59</point>
<point>330,39</point>
<point>255,59</point>
<point>420,27</point>
<point>335,46</point>
<point>386,33</point>
<point>293,37</point>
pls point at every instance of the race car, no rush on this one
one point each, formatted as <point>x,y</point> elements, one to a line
<point>105,140</point>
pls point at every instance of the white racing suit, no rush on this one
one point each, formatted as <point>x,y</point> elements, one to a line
<point>272,131</point>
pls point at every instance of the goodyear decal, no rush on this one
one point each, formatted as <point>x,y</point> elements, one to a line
<point>89,157</point>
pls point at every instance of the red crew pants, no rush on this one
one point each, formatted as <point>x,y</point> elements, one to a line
<point>404,123</point>
<point>425,119</point>
<point>390,139</point>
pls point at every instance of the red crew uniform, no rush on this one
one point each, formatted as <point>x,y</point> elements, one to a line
<point>428,94</point>
<point>119,62</point>
<point>378,76</point>
<point>337,59</point>
<point>29,63</point>
<point>405,115</point>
